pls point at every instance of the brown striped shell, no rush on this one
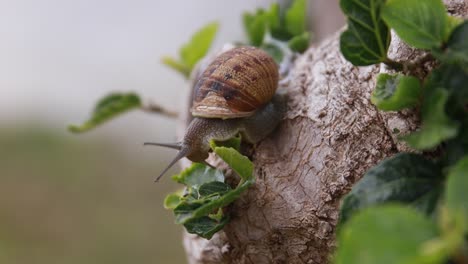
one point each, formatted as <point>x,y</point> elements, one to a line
<point>235,84</point>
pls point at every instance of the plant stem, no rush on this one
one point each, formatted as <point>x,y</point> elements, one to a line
<point>155,108</point>
<point>395,65</point>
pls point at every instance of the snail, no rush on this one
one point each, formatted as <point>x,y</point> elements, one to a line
<point>236,93</point>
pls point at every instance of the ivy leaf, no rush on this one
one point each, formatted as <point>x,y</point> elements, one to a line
<point>396,92</point>
<point>385,235</point>
<point>366,40</point>
<point>299,43</point>
<point>422,24</point>
<point>295,18</point>
<point>456,50</point>
<point>205,226</point>
<point>208,193</point>
<point>198,174</point>
<point>172,200</point>
<point>107,108</point>
<point>437,126</point>
<point>238,162</point>
<point>406,178</point>
<point>193,209</point>
<point>214,187</point>
<point>255,26</point>
<point>456,193</point>
<point>199,44</point>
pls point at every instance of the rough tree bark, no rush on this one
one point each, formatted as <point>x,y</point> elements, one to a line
<point>330,137</point>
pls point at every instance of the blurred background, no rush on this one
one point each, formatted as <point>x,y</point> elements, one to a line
<point>90,198</point>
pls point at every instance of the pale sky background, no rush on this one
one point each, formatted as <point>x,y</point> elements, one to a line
<point>57,57</point>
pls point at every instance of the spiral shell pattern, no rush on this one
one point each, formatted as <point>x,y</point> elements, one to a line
<point>235,84</point>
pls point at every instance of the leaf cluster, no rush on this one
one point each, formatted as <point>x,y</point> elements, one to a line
<point>199,207</point>
<point>408,208</point>
<point>286,26</point>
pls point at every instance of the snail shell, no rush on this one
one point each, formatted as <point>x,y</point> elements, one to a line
<point>235,84</point>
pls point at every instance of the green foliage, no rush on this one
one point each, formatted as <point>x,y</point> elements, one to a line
<point>276,23</point>
<point>238,162</point>
<point>295,18</point>
<point>194,50</point>
<point>456,194</point>
<point>107,108</point>
<point>396,92</point>
<point>387,234</point>
<point>198,174</point>
<point>299,43</point>
<point>199,207</point>
<point>366,40</point>
<point>274,50</point>
<point>456,50</point>
<point>422,24</point>
<point>406,178</point>
<point>234,143</point>
<point>371,231</point>
<point>255,26</point>
<point>172,200</point>
<point>283,25</point>
<point>437,126</point>
<point>177,66</point>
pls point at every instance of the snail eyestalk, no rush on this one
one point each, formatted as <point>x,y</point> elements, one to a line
<point>182,153</point>
<point>177,145</point>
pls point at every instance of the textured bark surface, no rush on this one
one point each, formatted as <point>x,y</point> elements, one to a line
<point>330,136</point>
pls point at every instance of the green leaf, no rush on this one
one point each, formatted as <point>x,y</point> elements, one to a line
<point>366,40</point>
<point>172,200</point>
<point>456,196</point>
<point>192,209</point>
<point>275,52</point>
<point>185,210</point>
<point>396,92</point>
<point>177,66</point>
<point>205,226</point>
<point>200,208</point>
<point>255,26</point>
<point>198,174</point>
<point>406,178</point>
<point>295,18</point>
<point>274,16</point>
<point>234,143</point>
<point>107,108</point>
<point>215,187</point>
<point>238,162</point>
<point>456,50</point>
<point>299,43</point>
<point>437,126</point>
<point>386,235</point>
<point>276,23</point>
<point>199,44</point>
<point>422,24</point>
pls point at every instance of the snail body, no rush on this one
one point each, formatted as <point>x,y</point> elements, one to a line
<point>235,94</point>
